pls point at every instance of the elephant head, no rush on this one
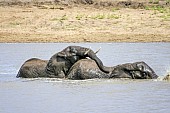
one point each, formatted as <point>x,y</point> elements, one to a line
<point>147,72</point>
<point>137,70</point>
<point>81,53</point>
<point>62,61</point>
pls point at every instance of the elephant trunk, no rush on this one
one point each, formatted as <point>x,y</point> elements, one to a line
<point>93,56</point>
<point>87,52</point>
<point>18,75</point>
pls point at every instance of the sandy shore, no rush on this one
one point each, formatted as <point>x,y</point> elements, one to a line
<point>83,23</point>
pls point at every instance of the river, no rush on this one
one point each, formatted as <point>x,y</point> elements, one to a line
<point>44,95</point>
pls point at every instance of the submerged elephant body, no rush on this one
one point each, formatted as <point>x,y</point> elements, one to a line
<point>60,63</point>
<point>72,63</point>
<point>136,70</point>
<point>33,68</point>
<point>87,69</point>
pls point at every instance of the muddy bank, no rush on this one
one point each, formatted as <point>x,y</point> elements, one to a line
<point>84,21</point>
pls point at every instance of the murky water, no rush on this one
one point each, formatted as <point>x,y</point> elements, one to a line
<point>88,96</point>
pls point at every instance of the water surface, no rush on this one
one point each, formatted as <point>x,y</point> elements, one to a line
<point>87,96</point>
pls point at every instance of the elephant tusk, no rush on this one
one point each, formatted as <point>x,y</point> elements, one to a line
<point>97,50</point>
<point>87,52</point>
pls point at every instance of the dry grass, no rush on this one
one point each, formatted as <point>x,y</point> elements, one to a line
<point>82,23</point>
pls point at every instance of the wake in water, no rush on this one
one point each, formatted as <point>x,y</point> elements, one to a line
<point>166,77</point>
<point>86,81</point>
<point>57,80</point>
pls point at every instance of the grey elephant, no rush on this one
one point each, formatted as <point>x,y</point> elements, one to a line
<point>87,69</point>
<point>59,64</point>
<point>33,68</point>
<point>71,63</point>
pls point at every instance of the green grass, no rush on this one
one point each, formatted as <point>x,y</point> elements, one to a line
<point>154,1</point>
<point>64,17</point>
<point>157,8</point>
<point>165,11</point>
<point>113,16</point>
<point>105,16</point>
<point>98,16</point>
<point>166,17</point>
<point>167,1</point>
<point>14,23</point>
<point>79,16</point>
<point>115,9</point>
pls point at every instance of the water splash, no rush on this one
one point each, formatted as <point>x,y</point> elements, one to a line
<point>165,77</point>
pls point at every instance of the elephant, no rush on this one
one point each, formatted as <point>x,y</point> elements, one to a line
<point>60,63</point>
<point>136,70</point>
<point>33,68</point>
<point>87,69</point>
<point>72,63</point>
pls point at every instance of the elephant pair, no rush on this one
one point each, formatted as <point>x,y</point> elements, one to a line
<point>72,63</point>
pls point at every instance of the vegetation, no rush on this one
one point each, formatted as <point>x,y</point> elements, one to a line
<point>166,17</point>
<point>115,9</point>
<point>14,23</point>
<point>79,16</point>
<point>157,1</point>
<point>157,8</point>
<point>165,11</point>
<point>154,1</point>
<point>83,16</point>
<point>64,17</point>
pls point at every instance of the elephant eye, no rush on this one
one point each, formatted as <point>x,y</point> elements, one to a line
<point>73,50</point>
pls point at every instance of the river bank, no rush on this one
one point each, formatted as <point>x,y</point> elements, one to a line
<point>128,21</point>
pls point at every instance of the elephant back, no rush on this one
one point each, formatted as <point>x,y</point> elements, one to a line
<point>85,69</point>
<point>33,68</point>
